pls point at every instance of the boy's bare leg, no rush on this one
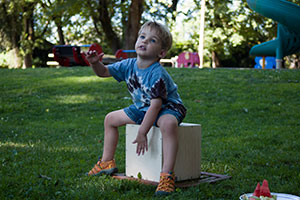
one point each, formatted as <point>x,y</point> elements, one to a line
<point>168,125</point>
<point>111,135</point>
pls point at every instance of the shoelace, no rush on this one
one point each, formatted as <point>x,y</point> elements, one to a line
<point>97,167</point>
<point>166,184</point>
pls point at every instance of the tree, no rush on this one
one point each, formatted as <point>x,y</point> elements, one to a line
<point>17,31</point>
<point>10,30</point>
<point>120,20</point>
<point>104,13</point>
<point>133,23</point>
<point>231,29</point>
<point>28,32</point>
<point>25,26</point>
<point>115,23</point>
<point>59,12</point>
<point>55,11</point>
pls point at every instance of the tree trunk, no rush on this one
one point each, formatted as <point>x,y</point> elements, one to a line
<point>215,60</point>
<point>133,23</point>
<point>16,61</point>
<point>29,35</point>
<point>11,32</point>
<point>60,32</point>
<point>58,23</point>
<point>27,61</point>
<point>104,17</point>
<point>173,9</point>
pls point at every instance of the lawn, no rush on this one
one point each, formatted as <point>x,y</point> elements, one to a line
<point>51,132</point>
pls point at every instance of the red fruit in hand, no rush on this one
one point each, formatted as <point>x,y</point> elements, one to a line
<point>264,189</point>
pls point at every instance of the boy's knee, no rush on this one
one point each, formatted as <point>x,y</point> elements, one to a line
<point>116,118</point>
<point>109,118</point>
<point>168,124</point>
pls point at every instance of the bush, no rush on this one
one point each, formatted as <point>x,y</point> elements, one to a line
<point>3,60</point>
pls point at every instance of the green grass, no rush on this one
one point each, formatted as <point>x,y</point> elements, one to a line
<point>51,132</point>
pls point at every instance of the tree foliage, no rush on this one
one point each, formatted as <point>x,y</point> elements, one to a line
<point>231,28</point>
<point>17,32</point>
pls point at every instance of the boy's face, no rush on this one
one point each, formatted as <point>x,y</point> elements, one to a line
<point>149,45</point>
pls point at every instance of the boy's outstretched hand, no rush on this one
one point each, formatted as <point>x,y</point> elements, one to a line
<point>93,57</point>
<point>142,143</point>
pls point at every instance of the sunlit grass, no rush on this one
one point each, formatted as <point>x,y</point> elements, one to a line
<point>64,148</point>
<point>74,99</point>
<point>51,132</point>
<point>15,145</point>
<point>81,79</point>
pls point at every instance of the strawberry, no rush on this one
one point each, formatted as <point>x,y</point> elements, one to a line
<point>256,192</point>
<point>264,189</point>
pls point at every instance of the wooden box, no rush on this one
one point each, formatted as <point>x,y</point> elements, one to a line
<point>149,165</point>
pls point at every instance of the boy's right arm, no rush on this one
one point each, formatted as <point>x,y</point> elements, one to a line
<point>99,68</point>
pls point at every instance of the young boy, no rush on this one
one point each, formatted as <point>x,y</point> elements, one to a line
<point>155,102</point>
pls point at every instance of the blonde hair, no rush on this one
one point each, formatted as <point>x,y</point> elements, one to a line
<point>163,33</point>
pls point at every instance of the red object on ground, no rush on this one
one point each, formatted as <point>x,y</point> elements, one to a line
<point>264,189</point>
<point>257,191</point>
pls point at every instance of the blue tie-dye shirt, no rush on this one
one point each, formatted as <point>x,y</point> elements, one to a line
<point>146,84</point>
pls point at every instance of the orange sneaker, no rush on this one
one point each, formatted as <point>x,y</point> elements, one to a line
<point>106,167</point>
<point>166,184</point>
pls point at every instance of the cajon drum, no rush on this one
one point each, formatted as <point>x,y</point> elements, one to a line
<point>149,165</point>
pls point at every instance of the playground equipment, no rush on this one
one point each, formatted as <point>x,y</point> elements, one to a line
<point>80,57</point>
<point>63,54</point>
<point>287,15</point>
<point>188,59</point>
<point>122,54</point>
<point>68,55</point>
<point>265,62</point>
